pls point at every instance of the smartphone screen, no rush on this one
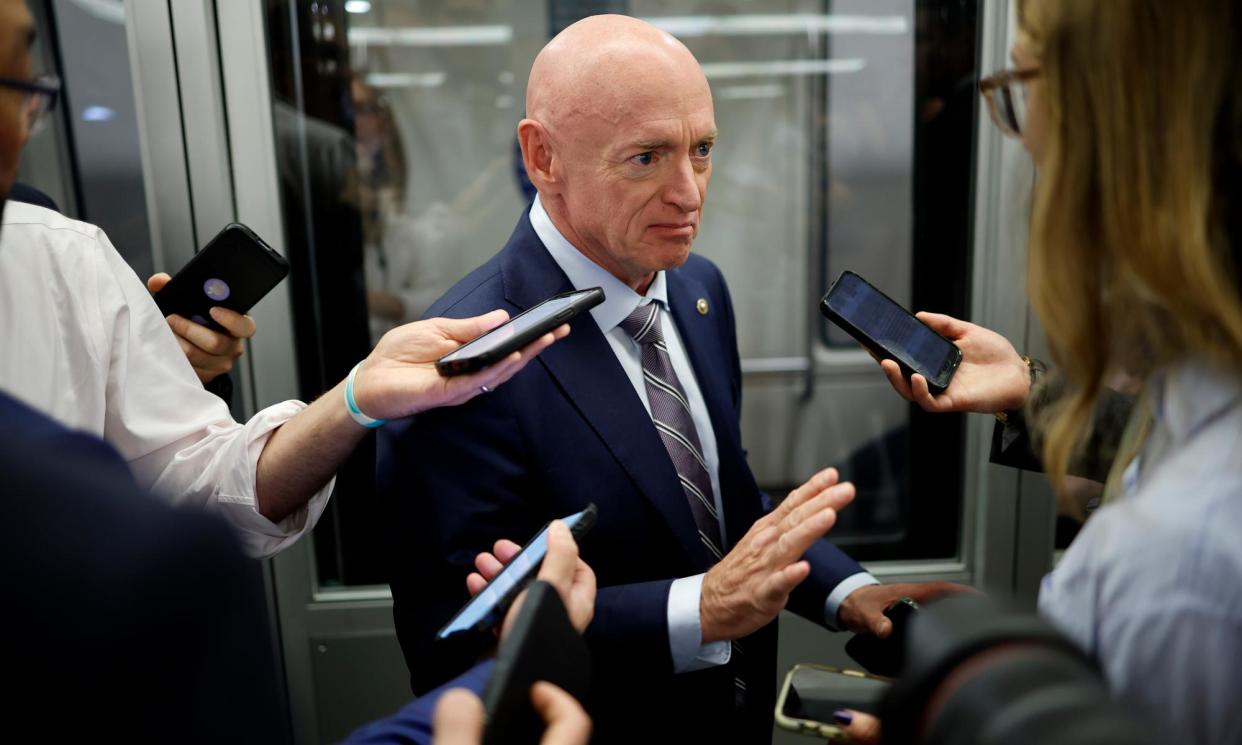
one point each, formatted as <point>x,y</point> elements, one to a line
<point>486,608</point>
<point>815,693</point>
<point>518,331</point>
<point>892,328</point>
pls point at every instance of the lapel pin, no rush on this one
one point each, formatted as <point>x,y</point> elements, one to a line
<point>701,306</point>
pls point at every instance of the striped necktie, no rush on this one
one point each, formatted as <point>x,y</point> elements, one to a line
<point>670,411</point>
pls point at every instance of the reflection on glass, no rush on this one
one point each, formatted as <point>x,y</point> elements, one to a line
<point>400,173</point>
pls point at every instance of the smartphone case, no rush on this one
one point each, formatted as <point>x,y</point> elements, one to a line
<point>875,348</point>
<point>542,645</point>
<point>590,298</point>
<point>235,270</point>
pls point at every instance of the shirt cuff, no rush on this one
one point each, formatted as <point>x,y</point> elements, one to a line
<point>236,493</point>
<point>839,593</point>
<point>685,634</point>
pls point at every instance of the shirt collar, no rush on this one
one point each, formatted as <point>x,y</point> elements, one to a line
<point>1189,395</point>
<point>620,300</point>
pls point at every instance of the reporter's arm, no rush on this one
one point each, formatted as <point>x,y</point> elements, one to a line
<point>397,380</point>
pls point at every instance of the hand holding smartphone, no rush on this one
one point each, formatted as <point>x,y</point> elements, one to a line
<point>885,656</point>
<point>517,332</point>
<point>235,270</point>
<point>890,331</point>
<point>485,610</point>
<point>812,694</point>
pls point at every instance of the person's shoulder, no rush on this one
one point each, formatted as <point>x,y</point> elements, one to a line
<point>43,221</point>
<point>53,236</point>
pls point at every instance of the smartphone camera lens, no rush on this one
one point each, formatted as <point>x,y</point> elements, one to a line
<point>216,289</point>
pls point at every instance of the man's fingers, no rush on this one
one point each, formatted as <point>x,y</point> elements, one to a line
<point>835,497</point>
<point>458,718</point>
<point>200,336</point>
<point>567,723</point>
<point>462,330</point>
<point>505,550</point>
<point>892,371</point>
<point>239,326</point>
<point>488,565</point>
<point>466,387</point>
<point>944,325</point>
<point>922,394</point>
<point>475,583</point>
<point>776,588</point>
<point>809,490</point>
<point>156,281</point>
<point>794,542</point>
<point>561,560</point>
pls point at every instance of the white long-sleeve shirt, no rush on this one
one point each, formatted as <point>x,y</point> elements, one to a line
<point>82,340</point>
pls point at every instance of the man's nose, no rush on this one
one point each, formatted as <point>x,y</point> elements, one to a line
<point>682,189</point>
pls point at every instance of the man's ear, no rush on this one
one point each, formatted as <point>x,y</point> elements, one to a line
<point>542,165</point>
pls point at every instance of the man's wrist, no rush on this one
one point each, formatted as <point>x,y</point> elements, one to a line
<point>351,405</point>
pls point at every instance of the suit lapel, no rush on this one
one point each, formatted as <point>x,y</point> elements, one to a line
<point>605,397</point>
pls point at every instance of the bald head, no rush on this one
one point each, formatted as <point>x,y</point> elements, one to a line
<point>604,67</point>
<point>618,140</point>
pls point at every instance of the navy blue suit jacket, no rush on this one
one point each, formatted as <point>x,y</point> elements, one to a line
<point>129,620</point>
<point>569,430</point>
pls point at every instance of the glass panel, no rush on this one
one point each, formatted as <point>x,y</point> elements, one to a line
<point>399,169</point>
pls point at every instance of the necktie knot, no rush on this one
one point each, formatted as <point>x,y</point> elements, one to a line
<point>644,324</point>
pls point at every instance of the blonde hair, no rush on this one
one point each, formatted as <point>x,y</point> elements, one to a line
<point>1132,264</point>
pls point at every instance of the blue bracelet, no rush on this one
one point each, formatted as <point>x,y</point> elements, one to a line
<point>351,405</point>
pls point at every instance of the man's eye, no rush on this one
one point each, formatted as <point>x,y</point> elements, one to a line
<point>643,159</point>
<point>703,149</point>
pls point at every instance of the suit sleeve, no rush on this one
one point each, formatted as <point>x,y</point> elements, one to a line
<point>1017,443</point>
<point>412,725</point>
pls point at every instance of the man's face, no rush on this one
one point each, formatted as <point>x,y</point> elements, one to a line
<point>16,36</point>
<point>635,180</point>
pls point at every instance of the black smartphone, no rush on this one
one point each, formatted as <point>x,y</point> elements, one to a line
<point>542,645</point>
<point>484,610</point>
<point>885,656</point>
<point>811,695</point>
<point>890,331</point>
<point>235,270</point>
<point>517,332</point>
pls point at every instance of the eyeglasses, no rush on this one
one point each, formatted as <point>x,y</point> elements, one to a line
<point>1005,94</point>
<point>40,98</point>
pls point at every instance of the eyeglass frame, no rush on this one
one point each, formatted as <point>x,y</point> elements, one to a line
<point>47,86</point>
<point>993,84</point>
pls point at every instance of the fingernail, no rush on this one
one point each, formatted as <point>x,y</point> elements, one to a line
<point>843,717</point>
<point>215,312</point>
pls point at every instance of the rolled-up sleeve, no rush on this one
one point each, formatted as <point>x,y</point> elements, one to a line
<point>180,440</point>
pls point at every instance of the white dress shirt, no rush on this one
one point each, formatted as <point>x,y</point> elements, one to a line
<point>685,632</point>
<point>84,342</point>
<point>1151,586</point>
